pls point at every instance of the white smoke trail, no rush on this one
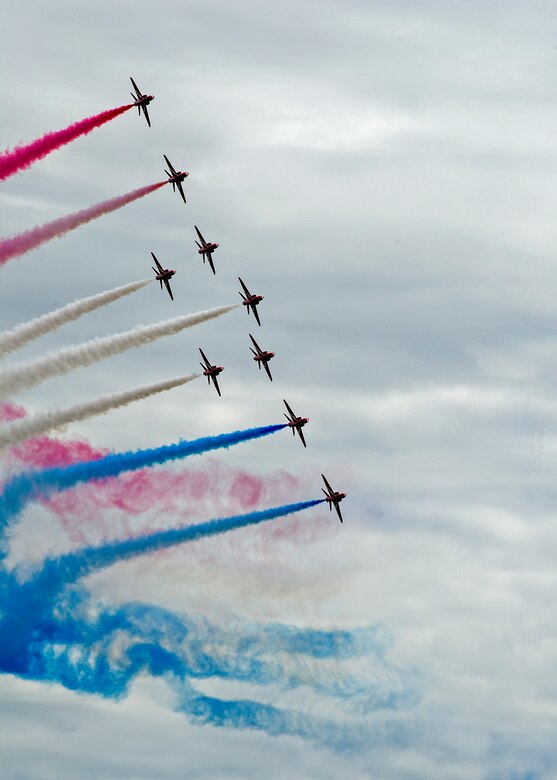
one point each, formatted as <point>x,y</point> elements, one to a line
<point>28,331</point>
<point>59,363</point>
<point>41,423</point>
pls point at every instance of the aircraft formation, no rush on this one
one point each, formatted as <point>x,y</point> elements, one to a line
<point>22,157</point>
<point>261,356</point>
<point>45,466</point>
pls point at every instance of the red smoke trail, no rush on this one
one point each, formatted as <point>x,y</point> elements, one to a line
<point>24,156</point>
<point>31,239</point>
<point>10,412</point>
<point>43,451</point>
<point>112,509</point>
<point>198,491</point>
<point>104,509</point>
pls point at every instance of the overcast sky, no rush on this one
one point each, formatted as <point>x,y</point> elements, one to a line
<point>384,173</point>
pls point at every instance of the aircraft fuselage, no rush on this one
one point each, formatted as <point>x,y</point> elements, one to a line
<point>264,357</point>
<point>207,249</point>
<point>253,300</point>
<point>144,100</point>
<point>168,273</point>
<point>298,422</point>
<point>178,177</point>
<point>213,371</point>
<point>336,498</point>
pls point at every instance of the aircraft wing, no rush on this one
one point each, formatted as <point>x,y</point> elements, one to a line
<point>338,512</point>
<point>204,356</point>
<point>159,266</point>
<point>301,436</point>
<point>256,345</point>
<point>200,236</point>
<point>289,409</point>
<point>144,107</point>
<point>137,91</point>
<point>167,283</point>
<point>181,191</point>
<point>169,164</point>
<point>330,489</point>
<point>268,370</point>
<point>210,261</point>
<point>245,289</point>
<point>213,377</point>
<point>255,314</point>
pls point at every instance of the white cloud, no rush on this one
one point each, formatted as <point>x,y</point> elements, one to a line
<point>383,173</point>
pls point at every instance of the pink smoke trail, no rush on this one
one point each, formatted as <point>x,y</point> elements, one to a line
<point>143,500</point>
<point>24,156</point>
<point>138,502</point>
<point>31,239</point>
<point>10,412</point>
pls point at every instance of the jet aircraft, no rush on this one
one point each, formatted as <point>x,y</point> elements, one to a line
<point>163,275</point>
<point>261,356</point>
<point>141,101</point>
<point>296,423</point>
<point>251,301</point>
<point>206,249</point>
<point>175,178</point>
<point>211,372</point>
<point>333,497</point>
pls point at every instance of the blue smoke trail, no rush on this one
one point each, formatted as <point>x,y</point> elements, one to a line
<point>56,573</point>
<point>50,631</point>
<point>277,722</point>
<point>93,649</point>
<point>72,566</point>
<point>25,487</point>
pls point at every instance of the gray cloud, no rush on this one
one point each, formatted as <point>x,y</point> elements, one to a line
<point>384,174</point>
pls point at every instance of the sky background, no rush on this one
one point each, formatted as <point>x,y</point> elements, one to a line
<point>385,174</point>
